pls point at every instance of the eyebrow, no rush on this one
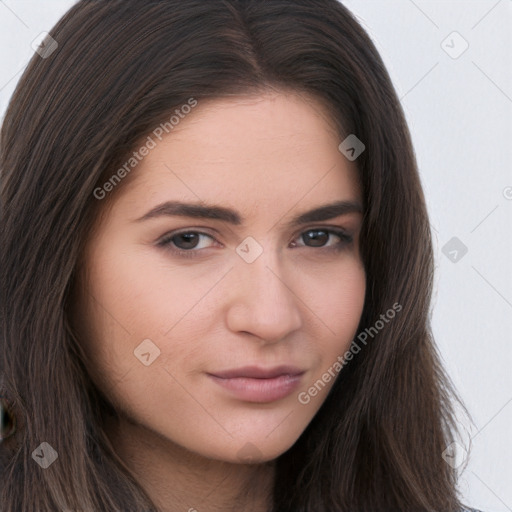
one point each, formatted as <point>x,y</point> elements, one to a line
<point>214,212</point>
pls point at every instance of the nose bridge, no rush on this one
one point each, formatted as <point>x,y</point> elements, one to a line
<point>262,301</point>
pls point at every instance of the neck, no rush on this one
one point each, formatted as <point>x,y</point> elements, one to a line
<point>179,480</point>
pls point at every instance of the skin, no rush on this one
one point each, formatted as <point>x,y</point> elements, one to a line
<point>269,156</point>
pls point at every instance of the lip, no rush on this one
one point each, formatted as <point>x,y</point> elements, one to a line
<point>255,384</point>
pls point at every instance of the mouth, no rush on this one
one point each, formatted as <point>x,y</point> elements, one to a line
<point>255,384</point>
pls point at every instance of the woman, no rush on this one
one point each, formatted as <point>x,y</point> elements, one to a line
<point>216,269</point>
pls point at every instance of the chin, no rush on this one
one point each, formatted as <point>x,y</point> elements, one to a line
<point>252,450</point>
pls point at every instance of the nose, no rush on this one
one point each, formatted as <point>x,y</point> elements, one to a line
<point>261,300</point>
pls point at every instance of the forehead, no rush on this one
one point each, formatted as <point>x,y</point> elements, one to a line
<point>252,129</point>
<point>254,153</point>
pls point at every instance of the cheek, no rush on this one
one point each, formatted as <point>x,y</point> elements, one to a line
<point>150,293</point>
<point>338,295</point>
<point>138,296</point>
<point>347,302</point>
<point>339,305</point>
<point>338,298</point>
<point>135,296</point>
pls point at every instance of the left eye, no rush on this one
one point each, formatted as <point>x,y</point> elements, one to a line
<point>319,237</point>
<point>187,241</point>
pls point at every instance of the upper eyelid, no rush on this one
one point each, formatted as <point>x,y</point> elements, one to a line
<point>331,229</point>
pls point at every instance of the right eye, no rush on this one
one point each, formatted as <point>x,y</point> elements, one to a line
<point>185,243</point>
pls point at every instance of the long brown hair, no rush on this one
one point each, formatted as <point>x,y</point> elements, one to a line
<point>121,67</point>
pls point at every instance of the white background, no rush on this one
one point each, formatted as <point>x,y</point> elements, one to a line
<point>460,114</point>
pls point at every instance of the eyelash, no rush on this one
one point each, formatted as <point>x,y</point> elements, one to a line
<point>166,241</point>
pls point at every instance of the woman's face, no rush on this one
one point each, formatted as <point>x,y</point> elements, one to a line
<point>204,329</point>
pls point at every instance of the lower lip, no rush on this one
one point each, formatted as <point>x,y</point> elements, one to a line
<point>260,390</point>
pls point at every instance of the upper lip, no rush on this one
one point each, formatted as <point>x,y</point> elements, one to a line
<point>256,372</point>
